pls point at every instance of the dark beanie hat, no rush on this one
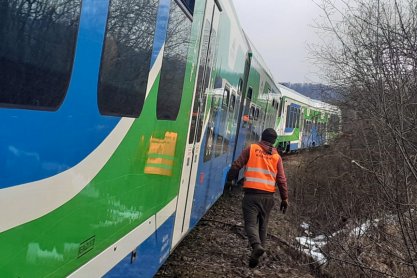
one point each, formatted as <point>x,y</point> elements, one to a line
<point>269,135</point>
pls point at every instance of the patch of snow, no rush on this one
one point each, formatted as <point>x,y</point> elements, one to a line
<point>313,247</point>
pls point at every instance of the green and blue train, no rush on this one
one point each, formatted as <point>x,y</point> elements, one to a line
<point>119,121</point>
<point>305,122</point>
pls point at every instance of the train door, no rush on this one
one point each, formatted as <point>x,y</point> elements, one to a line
<point>243,118</point>
<point>192,150</point>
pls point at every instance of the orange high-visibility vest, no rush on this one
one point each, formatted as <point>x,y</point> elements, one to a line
<point>261,169</point>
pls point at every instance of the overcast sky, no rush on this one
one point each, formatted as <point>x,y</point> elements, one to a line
<point>281,30</point>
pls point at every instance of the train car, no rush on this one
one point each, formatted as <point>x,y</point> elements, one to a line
<point>260,102</point>
<point>305,122</point>
<point>96,100</point>
<point>119,122</point>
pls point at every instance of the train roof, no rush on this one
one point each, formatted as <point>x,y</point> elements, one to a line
<point>290,93</point>
<point>257,55</point>
<point>281,89</point>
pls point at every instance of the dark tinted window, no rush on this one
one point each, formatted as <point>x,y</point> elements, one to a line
<point>189,4</point>
<point>249,96</point>
<point>37,42</point>
<point>239,87</point>
<point>126,57</point>
<point>297,124</point>
<point>281,107</point>
<point>173,64</point>
<point>293,117</point>
<point>208,150</point>
<point>232,103</point>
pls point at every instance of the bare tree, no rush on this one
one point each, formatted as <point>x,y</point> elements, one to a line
<point>370,56</point>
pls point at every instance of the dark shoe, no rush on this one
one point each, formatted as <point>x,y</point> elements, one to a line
<point>257,252</point>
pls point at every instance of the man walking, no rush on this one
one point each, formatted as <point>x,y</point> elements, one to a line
<point>264,170</point>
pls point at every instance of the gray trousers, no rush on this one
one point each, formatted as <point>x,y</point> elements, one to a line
<point>256,210</point>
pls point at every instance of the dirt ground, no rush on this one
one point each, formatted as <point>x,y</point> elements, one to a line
<point>218,247</point>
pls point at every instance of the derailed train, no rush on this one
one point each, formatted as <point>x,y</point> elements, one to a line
<point>119,122</point>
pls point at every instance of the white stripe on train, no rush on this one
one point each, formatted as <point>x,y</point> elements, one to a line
<point>26,202</point>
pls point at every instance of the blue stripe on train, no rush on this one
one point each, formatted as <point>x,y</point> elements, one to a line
<point>38,144</point>
<point>151,254</point>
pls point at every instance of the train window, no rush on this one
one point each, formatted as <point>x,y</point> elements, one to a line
<point>37,48</point>
<point>249,96</point>
<point>126,57</point>
<point>281,107</point>
<point>173,64</point>
<point>198,102</point>
<point>207,56</point>
<point>218,145</point>
<point>273,103</point>
<point>189,4</point>
<point>252,112</point>
<point>297,119</point>
<point>208,150</point>
<point>256,114</point>
<point>232,103</point>
<point>293,117</point>
<point>239,86</point>
<point>226,97</point>
<point>287,118</point>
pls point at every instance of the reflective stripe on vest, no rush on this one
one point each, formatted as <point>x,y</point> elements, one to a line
<point>261,169</point>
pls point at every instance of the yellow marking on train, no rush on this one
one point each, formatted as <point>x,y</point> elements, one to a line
<point>161,155</point>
